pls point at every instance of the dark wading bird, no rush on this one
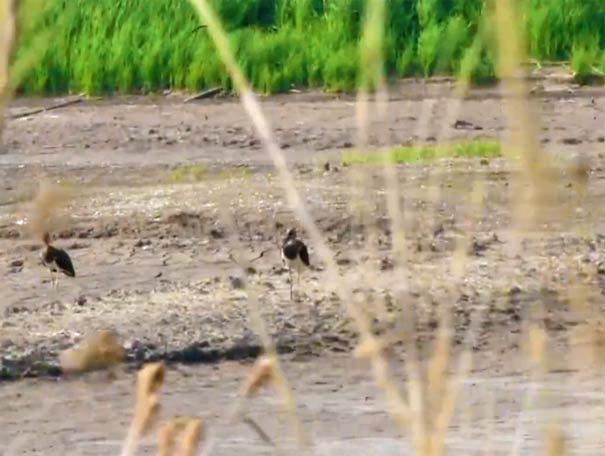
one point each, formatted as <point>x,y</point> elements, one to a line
<point>57,261</point>
<point>294,253</point>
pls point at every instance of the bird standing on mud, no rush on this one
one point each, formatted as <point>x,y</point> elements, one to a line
<point>294,253</point>
<point>57,261</point>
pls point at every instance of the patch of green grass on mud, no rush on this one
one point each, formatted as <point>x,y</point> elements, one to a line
<point>201,172</point>
<point>187,173</point>
<point>411,154</point>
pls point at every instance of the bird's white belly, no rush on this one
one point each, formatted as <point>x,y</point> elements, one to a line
<point>296,264</point>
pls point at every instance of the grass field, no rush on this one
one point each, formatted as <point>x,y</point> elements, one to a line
<point>139,46</point>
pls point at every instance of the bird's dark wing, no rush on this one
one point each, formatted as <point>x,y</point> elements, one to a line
<point>64,263</point>
<point>304,254</point>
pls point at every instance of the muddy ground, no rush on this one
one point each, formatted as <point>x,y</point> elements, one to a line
<point>151,243</point>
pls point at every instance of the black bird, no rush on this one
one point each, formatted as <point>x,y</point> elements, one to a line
<point>57,261</point>
<point>294,253</point>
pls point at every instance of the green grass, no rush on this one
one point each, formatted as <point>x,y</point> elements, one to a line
<point>138,46</point>
<point>200,171</point>
<point>187,173</point>
<point>411,154</point>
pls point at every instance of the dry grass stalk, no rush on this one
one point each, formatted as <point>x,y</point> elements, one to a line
<point>537,175</point>
<point>267,368</point>
<point>555,442</point>
<point>190,431</point>
<point>252,292</point>
<point>261,125</point>
<point>263,130</point>
<point>252,107</point>
<point>442,410</point>
<point>47,209</point>
<point>98,352</point>
<point>361,202</point>
<point>524,142</point>
<point>7,44</point>
<point>262,373</point>
<point>166,439</point>
<point>537,342</point>
<point>397,405</point>
<point>265,371</point>
<point>192,437</point>
<point>147,409</point>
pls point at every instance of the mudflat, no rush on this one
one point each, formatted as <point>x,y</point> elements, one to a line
<point>165,193</point>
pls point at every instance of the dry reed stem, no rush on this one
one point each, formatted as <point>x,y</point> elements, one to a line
<point>150,378</point>
<point>7,44</point>
<point>192,437</point>
<point>262,128</point>
<point>443,413</point>
<point>490,414</point>
<point>166,439</point>
<point>277,375</point>
<point>438,386</point>
<point>261,125</point>
<point>186,427</point>
<point>524,142</point>
<point>555,441</point>
<point>411,414</point>
<point>98,352</point>
<point>47,209</point>
<point>262,373</point>
<point>530,204</point>
<point>361,200</point>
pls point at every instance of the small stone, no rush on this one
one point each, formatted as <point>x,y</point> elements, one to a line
<point>386,264</point>
<point>217,233</point>
<point>81,300</point>
<point>571,141</point>
<point>237,282</point>
<point>142,243</point>
<point>514,290</point>
<point>16,263</point>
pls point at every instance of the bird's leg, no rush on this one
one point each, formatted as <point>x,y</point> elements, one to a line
<point>290,274</point>
<point>298,280</point>
<point>53,281</point>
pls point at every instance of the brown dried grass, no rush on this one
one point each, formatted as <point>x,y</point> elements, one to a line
<point>100,351</point>
<point>48,212</point>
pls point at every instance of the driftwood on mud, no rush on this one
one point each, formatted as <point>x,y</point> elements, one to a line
<point>63,104</point>
<point>205,94</point>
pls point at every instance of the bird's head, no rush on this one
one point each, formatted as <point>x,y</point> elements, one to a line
<point>291,234</point>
